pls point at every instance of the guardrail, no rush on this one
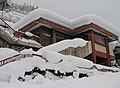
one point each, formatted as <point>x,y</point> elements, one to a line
<point>18,57</point>
<point>10,59</point>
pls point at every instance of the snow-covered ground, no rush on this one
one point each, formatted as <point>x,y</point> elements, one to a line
<point>10,73</point>
<point>6,53</point>
<point>92,78</point>
<point>106,80</point>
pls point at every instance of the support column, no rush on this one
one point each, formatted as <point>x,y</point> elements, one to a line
<point>93,46</point>
<point>107,50</point>
<point>53,36</point>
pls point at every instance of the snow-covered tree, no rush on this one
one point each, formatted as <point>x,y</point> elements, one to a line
<point>4,4</point>
<point>8,10</point>
<point>23,9</point>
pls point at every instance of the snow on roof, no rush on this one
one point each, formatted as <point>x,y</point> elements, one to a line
<point>23,41</point>
<point>59,46</point>
<point>1,22</point>
<point>30,34</point>
<point>29,41</point>
<point>13,13</point>
<point>69,23</point>
<point>11,24</point>
<point>6,52</point>
<point>36,14</point>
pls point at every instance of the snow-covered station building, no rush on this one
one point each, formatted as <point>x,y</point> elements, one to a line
<point>50,28</point>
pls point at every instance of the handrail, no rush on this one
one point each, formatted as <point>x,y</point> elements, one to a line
<point>17,57</point>
<point>20,56</point>
<point>10,59</point>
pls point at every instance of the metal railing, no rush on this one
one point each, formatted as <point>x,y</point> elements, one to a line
<point>18,57</point>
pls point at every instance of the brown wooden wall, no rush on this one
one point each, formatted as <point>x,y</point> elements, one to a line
<point>49,36</point>
<point>45,35</point>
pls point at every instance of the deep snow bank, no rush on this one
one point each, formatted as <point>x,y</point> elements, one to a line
<point>50,52</point>
<point>6,53</point>
<point>54,57</point>
<point>56,61</point>
<point>59,46</point>
<point>10,72</point>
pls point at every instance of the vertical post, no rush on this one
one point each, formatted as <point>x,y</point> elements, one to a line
<point>93,46</point>
<point>107,51</point>
<point>53,36</point>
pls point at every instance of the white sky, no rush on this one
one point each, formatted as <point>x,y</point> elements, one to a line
<point>108,9</point>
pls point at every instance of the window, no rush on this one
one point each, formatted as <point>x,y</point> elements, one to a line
<point>61,36</point>
<point>99,39</point>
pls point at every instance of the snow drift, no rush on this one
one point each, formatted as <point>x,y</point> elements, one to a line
<point>6,53</point>
<point>10,72</point>
<point>59,46</point>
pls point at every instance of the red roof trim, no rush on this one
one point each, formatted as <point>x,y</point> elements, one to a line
<point>54,25</point>
<point>81,29</point>
<point>67,30</point>
<point>28,26</point>
<point>104,31</point>
<point>92,25</point>
<point>47,22</point>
